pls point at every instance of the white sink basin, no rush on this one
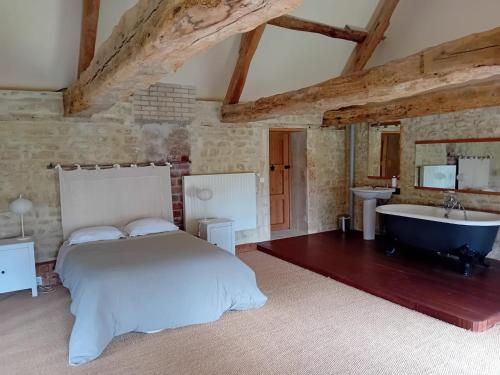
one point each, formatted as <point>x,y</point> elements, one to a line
<point>368,192</point>
<point>370,196</point>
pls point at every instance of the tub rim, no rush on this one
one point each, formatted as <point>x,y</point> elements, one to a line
<point>386,210</point>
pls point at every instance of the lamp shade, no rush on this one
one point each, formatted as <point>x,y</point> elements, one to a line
<point>21,206</point>
<point>204,194</point>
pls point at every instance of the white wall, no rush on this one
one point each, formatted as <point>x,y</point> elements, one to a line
<point>39,43</point>
<point>110,12</point>
<point>285,59</point>
<point>418,24</point>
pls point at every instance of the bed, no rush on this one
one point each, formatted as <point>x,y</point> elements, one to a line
<point>142,284</point>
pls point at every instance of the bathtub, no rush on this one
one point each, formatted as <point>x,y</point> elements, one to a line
<point>469,238</point>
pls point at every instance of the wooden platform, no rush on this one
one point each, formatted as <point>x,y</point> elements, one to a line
<point>420,281</point>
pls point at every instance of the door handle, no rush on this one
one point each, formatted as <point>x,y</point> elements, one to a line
<point>287,167</point>
<point>272,168</point>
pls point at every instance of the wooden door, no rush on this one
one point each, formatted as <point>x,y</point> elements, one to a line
<point>390,153</point>
<point>279,180</point>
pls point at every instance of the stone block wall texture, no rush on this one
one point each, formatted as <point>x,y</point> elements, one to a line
<point>33,134</point>
<point>478,123</point>
<point>164,102</point>
<point>227,148</point>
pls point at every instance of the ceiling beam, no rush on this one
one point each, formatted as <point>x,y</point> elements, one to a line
<point>470,96</point>
<point>473,57</point>
<point>248,45</point>
<point>90,17</point>
<point>156,37</point>
<point>376,29</point>
<point>299,24</point>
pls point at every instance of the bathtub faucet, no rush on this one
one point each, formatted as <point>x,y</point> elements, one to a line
<point>451,202</point>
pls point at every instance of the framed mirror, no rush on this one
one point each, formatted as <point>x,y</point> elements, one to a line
<point>384,150</point>
<point>465,165</point>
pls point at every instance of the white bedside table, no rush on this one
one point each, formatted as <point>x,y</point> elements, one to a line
<point>17,265</point>
<point>218,232</point>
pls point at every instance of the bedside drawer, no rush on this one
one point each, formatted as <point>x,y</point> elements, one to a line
<point>15,269</point>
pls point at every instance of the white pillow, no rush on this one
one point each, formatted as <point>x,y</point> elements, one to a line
<point>91,234</point>
<point>149,225</point>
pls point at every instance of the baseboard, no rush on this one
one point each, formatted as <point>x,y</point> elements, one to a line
<point>245,248</point>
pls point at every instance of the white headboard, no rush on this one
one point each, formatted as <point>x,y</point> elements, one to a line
<point>113,196</point>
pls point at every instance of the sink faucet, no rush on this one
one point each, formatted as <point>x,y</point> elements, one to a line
<point>451,202</point>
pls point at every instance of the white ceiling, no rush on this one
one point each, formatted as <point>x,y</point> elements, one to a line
<point>39,42</point>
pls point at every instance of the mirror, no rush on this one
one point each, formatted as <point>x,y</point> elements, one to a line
<point>471,165</point>
<point>383,150</point>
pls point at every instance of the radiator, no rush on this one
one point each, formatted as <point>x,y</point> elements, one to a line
<point>234,197</point>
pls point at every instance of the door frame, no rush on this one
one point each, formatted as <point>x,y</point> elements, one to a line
<point>382,149</point>
<point>286,130</point>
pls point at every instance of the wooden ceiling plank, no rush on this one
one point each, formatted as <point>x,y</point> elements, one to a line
<point>156,37</point>
<point>248,45</point>
<point>299,24</point>
<point>90,17</point>
<point>470,58</point>
<point>377,26</point>
<point>470,96</point>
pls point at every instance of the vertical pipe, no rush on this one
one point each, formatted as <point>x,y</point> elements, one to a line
<point>352,159</point>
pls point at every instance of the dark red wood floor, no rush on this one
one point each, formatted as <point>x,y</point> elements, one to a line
<point>417,280</point>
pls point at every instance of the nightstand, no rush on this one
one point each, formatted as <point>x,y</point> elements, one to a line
<point>218,232</point>
<point>17,265</point>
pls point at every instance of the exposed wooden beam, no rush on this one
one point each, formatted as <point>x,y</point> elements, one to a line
<point>248,45</point>
<point>376,29</point>
<point>299,24</point>
<point>90,17</point>
<point>156,37</point>
<point>473,57</point>
<point>470,96</point>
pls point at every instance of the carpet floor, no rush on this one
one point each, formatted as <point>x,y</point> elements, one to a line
<point>310,325</point>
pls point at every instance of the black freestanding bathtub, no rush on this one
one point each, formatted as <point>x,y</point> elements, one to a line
<point>426,227</point>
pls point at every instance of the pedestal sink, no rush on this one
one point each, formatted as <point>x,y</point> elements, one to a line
<point>370,195</point>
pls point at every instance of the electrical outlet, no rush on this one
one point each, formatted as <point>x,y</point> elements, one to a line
<point>39,281</point>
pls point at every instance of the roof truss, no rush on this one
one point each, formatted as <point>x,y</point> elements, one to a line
<point>156,37</point>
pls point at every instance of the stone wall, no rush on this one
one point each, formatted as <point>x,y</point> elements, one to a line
<point>479,123</point>
<point>223,148</point>
<point>33,134</point>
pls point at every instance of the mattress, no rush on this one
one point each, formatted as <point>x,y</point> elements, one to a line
<point>148,284</point>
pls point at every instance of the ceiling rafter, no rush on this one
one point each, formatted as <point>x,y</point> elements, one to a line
<point>476,95</point>
<point>299,24</point>
<point>90,17</point>
<point>377,26</point>
<point>156,37</point>
<point>248,45</point>
<point>458,62</point>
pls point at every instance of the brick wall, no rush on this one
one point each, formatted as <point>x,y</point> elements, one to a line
<point>163,111</point>
<point>165,103</point>
<point>180,167</point>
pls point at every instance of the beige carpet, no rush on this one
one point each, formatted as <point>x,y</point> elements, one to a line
<point>310,325</point>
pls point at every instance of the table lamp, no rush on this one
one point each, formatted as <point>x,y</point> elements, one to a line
<point>204,195</point>
<point>21,206</point>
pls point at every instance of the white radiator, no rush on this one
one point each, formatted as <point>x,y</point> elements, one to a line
<point>234,197</point>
